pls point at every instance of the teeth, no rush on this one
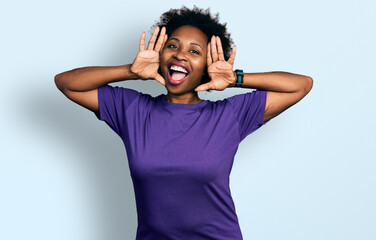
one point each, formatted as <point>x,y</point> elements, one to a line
<point>177,68</point>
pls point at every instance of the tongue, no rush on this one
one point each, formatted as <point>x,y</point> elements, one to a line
<point>178,76</point>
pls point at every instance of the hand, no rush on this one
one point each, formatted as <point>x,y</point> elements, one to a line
<point>220,71</point>
<point>146,63</point>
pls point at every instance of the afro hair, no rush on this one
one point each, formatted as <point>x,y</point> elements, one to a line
<point>201,19</point>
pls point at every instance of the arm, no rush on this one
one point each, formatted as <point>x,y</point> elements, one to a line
<point>283,89</point>
<point>81,85</point>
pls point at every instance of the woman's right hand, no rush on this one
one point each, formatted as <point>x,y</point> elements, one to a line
<point>146,63</point>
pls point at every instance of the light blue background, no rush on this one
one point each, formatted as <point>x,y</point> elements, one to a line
<point>307,174</point>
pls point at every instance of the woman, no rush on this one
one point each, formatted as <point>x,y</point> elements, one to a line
<point>181,148</point>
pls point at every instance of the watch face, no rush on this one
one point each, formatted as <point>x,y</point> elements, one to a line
<point>239,77</point>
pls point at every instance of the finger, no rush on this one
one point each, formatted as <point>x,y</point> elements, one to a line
<point>160,79</point>
<point>142,42</point>
<point>153,38</point>
<point>205,86</point>
<point>164,42</point>
<point>232,57</point>
<point>221,57</point>
<point>209,60</point>
<point>213,48</point>
<point>161,38</point>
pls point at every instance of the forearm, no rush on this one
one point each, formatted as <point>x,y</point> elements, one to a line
<point>89,78</point>
<point>277,82</point>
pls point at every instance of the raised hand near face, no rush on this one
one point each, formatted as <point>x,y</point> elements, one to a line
<point>146,63</point>
<point>219,70</point>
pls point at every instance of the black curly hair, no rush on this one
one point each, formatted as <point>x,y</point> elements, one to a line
<point>201,19</point>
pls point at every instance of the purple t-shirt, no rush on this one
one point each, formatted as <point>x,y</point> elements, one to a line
<point>180,158</point>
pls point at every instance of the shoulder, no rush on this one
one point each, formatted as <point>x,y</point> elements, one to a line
<point>127,94</point>
<point>248,96</point>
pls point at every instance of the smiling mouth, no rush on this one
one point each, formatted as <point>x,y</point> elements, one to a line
<point>177,74</point>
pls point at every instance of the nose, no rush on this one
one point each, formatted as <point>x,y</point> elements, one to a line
<point>180,55</point>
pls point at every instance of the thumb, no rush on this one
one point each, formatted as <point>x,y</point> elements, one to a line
<point>205,86</point>
<point>159,78</point>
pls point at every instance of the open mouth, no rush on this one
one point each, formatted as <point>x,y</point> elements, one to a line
<point>177,73</point>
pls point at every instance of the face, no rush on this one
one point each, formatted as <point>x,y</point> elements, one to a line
<point>183,59</point>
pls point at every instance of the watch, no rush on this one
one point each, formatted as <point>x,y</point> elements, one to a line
<point>239,77</point>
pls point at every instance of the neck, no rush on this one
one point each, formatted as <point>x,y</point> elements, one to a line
<point>186,98</point>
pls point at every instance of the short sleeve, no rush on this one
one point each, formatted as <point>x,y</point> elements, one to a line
<point>113,104</point>
<point>249,110</point>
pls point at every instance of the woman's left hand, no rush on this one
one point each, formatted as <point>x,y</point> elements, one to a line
<point>219,70</point>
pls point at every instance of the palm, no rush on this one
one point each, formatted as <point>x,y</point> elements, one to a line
<point>220,74</point>
<point>219,70</point>
<point>146,63</point>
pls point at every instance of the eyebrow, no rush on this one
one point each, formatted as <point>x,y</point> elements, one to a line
<point>193,43</point>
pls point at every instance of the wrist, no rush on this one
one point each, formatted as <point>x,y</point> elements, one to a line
<point>233,80</point>
<point>130,74</point>
<point>239,75</point>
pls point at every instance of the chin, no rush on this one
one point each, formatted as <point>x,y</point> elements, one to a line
<point>175,90</point>
<point>179,89</point>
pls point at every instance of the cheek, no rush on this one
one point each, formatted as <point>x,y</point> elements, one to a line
<point>161,58</point>
<point>200,67</point>
<point>200,64</point>
<point>162,62</point>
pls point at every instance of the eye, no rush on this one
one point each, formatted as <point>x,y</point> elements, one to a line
<point>195,52</point>
<point>172,46</point>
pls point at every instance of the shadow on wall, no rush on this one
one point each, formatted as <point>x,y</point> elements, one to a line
<point>89,148</point>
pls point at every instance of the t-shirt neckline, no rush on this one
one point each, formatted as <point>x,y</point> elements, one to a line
<point>182,105</point>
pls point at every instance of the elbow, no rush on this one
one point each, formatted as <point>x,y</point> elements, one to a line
<point>308,84</point>
<point>60,81</point>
